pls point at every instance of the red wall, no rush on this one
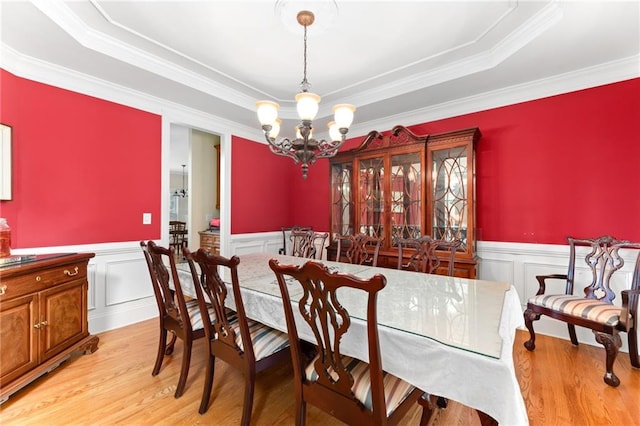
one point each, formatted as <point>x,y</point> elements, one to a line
<point>84,169</point>
<point>549,168</point>
<point>558,166</point>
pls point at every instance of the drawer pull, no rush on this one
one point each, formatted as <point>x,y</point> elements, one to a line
<point>71,274</point>
<point>38,278</point>
<point>3,289</point>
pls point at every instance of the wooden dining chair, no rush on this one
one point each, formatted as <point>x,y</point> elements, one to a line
<point>594,309</point>
<point>286,237</point>
<point>178,236</point>
<point>358,249</point>
<point>424,257</point>
<point>353,391</point>
<point>246,345</point>
<point>302,244</point>
<point>318,240</point>
<point>176,315</point>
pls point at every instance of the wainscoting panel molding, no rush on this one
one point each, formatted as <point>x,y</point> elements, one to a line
<point>120,290</point>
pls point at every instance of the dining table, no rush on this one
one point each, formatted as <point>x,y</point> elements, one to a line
<point>448,336</point>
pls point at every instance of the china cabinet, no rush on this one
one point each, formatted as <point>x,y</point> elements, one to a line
<point>43,317</point>
<point>401,185</point>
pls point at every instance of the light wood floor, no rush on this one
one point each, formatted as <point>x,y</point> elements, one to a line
<point>561,385</point>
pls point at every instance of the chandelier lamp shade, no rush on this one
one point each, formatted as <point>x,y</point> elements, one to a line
<point>304,149</point>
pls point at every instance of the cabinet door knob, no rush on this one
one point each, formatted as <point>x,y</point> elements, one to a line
<point>38,278</point>
<point>36,325</point>
<point>3,289</point>
<point>71,274</point>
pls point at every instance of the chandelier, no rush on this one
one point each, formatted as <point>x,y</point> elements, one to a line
<point>304,149</point>
<point>181,192</point>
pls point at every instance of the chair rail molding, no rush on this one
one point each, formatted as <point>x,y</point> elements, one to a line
<point>120,292</point>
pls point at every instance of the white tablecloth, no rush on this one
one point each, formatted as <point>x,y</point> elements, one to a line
<point>479,381</point>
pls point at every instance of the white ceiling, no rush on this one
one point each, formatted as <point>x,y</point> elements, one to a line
<point>387,57</point>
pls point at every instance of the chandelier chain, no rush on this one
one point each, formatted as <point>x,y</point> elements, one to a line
<point>305,84</point>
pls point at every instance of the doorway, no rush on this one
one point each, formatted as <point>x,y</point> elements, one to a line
<point>200,204</point>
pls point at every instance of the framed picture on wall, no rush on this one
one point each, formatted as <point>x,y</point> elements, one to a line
<point>5,162</point>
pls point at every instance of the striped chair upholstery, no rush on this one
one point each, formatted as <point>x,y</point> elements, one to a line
<point>395,389</point>
<point>265,340</point>
<point>603,257</point>
<point>591,309</point>
<point>194,314</point>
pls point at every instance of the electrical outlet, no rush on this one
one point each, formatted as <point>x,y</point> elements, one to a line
<point>146,218</point>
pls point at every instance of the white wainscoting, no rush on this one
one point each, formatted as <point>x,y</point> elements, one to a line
<point>120,292</point>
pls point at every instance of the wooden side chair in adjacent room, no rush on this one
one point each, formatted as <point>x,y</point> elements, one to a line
<point>351,390</point>
<point>424,257</point>
<point>244,344</point>
<point>178,236</point>
<point>594,308</point>
<point>177,316</point>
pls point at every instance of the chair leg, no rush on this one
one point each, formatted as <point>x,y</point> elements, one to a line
<point>248,398</point>
<point>529,317</point>
<point>161,348</point>
<point>428,404</point>
<point>572,334</point>
<point>208,384</point>
<point>184,371</point>
<point>301,411</point>
<point>611,343</point>
<point>633,347</point>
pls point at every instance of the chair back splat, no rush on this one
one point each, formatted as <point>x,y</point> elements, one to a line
<point>594,308</point>
<point>358,249</point>
<point>246,345</point>
<point>328,380</point>
<point>176,315</point>
<point>424,257</point>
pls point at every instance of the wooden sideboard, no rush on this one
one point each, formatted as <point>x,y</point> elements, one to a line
<point>210,241</point>
<point>43,317</point>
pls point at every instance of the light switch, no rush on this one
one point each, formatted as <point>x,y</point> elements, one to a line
<point>146,218</point>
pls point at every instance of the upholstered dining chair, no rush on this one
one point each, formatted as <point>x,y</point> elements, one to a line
<point>176,314</point>
<point>286,237</point>
<point>358,249</point>
<point>353,391</point>
<point>246,345</point>
<point>424,257</point>
<point>594,309</point>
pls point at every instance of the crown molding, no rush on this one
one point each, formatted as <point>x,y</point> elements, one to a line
<point>610,72</point>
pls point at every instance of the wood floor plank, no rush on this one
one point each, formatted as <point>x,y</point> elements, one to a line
<point>561,385</point>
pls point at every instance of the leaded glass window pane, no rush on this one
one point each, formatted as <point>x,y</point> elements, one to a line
<point>406,196</point>
<point>371,181</point>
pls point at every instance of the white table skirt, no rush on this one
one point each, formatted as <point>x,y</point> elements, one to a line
<point>478,381</point>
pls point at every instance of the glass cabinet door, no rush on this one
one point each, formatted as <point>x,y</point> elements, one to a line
<point>450,207</point>
<point>406,196</point>
<point>341,202</point>
<point>371,192</point>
